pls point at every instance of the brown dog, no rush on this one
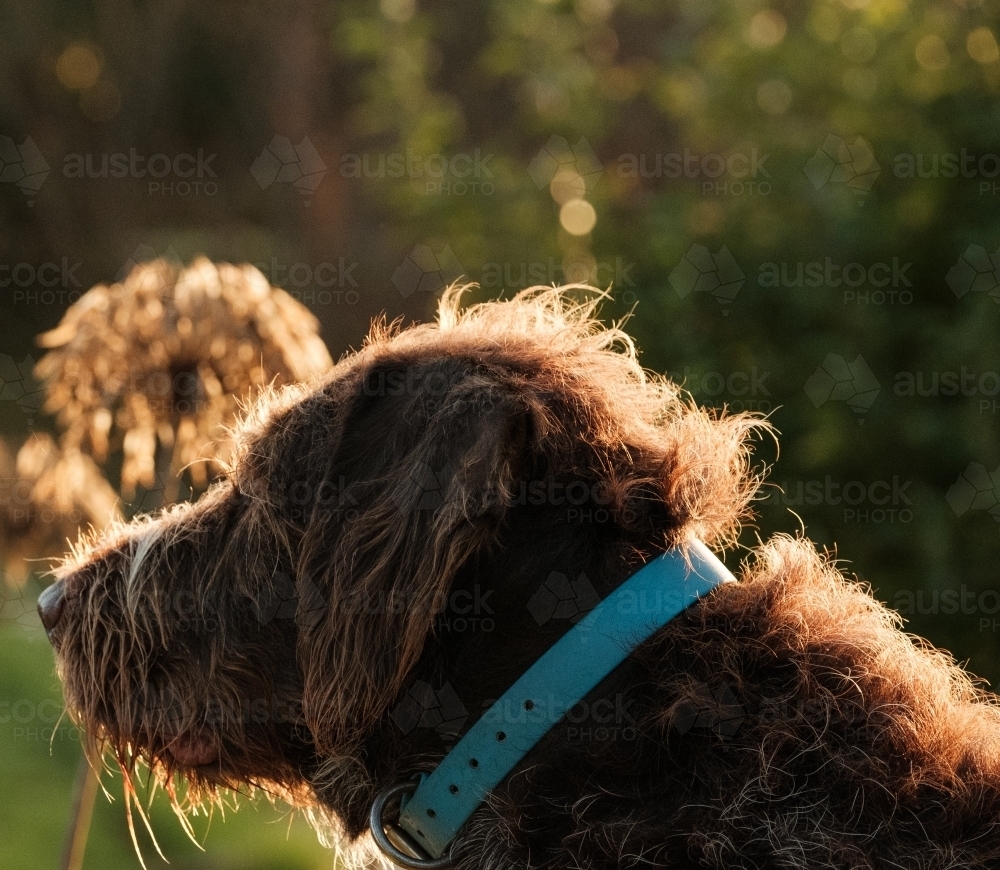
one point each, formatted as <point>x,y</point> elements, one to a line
<point>394,547</point>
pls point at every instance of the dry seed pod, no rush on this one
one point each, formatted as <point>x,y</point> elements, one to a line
<point>52,495</point>
<point>162,360</point>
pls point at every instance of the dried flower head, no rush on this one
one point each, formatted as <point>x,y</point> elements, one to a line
<point>161,361</point>
<point>52,494</point>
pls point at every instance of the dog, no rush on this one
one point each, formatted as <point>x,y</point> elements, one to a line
<point>393,546</point>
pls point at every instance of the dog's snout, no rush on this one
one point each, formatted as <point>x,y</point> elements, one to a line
<point>51,604</point>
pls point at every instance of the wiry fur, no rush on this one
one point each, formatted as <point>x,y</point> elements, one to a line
<point>781,722</point>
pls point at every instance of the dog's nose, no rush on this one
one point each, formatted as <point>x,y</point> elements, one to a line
<point>51,604</point>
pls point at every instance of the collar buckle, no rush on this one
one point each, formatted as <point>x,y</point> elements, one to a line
<point>395,843</point>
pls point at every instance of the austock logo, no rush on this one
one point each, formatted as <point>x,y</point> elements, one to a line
<point>189,174</point>
<point>837,162</point>
<point>174,709</point>
<point>17,498</point>
<point>561,598</point>
<point>852,723</point>
<point>836,380</point>
<point>48,275</point>
<point>738,391</point>
<point>145,254</point>
<point>740,169</point>
<point>951,165</point>
<point>18,607</point>
<point>604,719</point>
<point>976,490</point>
<point>951,601</point>
<point>306,500</point>
<point>985,385</point>
<point>278,600</point>
<point>457,174</point>
<point>24,166</point>
<point>425,488</point>
<point>423,271</point>
<point>584,501</point>
<point>855,277</point>
<point>294,278</point>
<point>297,279</point>
<point>704,272</point>
<point>18,385</point>
<point>281,162</point>
<point>879,501</point>
<point>557,160</point>
<point>37,721</point>
<point>976,272</point>
<point>511,276</point>
<point>706,709</point>
<point>423,706</point>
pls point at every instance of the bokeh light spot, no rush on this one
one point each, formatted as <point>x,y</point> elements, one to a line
<point>594,11</point>
<point>399,11</point>
<point>767,28</point>
<point>577,217</point>
<point>78,67</point>
<point>982,46</point>
<point>567,184</point>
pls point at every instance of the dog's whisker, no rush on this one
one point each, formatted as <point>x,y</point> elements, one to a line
<point>132,801</point>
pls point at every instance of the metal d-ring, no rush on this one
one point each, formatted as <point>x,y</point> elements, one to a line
<point>397,845</point>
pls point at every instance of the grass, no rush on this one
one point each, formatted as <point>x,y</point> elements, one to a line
<point>39,752</point>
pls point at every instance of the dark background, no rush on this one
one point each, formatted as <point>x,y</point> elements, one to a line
<point>683,124</point>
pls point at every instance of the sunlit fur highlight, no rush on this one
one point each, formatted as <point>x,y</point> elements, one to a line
<point>844,742</point>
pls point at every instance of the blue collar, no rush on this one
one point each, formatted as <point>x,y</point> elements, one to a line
<point>443,800</point>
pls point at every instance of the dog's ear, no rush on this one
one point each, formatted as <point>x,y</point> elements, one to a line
<point>425,478</point>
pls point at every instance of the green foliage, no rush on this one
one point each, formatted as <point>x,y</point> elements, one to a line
<point>648,87</point>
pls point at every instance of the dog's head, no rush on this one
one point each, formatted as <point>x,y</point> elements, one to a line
<point>265,633</point>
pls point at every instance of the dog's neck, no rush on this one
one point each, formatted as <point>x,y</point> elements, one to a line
<point>556,683</point>
<point>487,637</point>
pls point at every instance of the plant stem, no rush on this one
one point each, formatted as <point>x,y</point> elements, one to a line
<point>84,792</point>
